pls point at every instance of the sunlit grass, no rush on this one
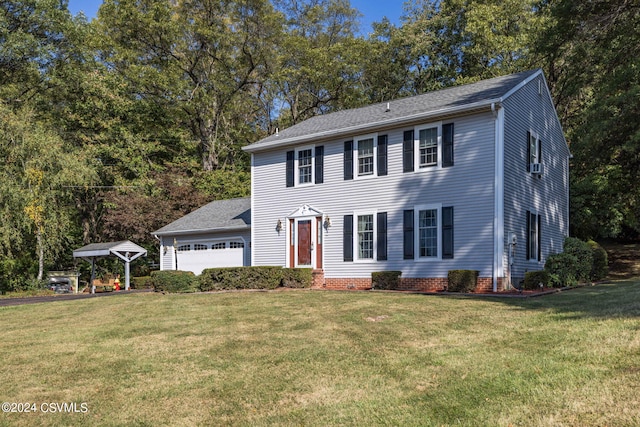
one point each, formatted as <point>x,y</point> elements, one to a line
<point>328,358</point>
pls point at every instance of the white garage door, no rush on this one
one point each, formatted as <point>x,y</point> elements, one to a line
<point>198,256</point>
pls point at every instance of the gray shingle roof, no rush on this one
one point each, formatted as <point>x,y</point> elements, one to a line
<point>457,98</point>
<point>219,215</point>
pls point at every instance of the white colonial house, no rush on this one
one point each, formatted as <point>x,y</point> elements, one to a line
<point>470,177</point>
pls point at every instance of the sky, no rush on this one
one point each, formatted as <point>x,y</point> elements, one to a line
<point>373,10</point>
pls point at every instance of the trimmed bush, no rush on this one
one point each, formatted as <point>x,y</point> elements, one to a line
<point>297,277</point>
<point>263,277</point>
<point>533,279</point>
<point>600,266</point>
<point>584,256</point>
<point>462,280</point>
<point>173,281</point>
<point>386,280</point>
<point>562,270</point>
<point>141,282</point>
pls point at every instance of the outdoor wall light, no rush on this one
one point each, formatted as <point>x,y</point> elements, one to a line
<point>279,226</point>
<point>327,222</point>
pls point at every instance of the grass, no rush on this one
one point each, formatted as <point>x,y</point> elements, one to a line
<point>328,358</point>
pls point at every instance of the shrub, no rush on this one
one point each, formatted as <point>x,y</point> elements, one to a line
<point>562,269</point>
<point>584,258</point>
<point>600,266</point>
<point>173,281</point>
<point>297,277</point>
<point>141,282</point>
<point>263,277</point>
<point>462,280</point>
<point>532,279</point>
<point>387,280</point>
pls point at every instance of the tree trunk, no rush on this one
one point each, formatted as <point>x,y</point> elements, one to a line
<point>40,249</point>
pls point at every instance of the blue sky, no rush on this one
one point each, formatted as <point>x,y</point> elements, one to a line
<point>373,10</point>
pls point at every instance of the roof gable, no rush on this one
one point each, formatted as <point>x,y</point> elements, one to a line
<point>232,214</point>
<point>396,112</point>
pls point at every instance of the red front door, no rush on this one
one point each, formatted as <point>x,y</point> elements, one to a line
<point>304,242</point>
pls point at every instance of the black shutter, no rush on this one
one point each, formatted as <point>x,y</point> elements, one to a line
<point>407,151</point>
<point>382,236</point>
<point>528,154</point>
<point>447,145</point>
<point>347,240</point>
<point>528,244</point>
<point>348,160</point>
<point>539,230</point>
<point>408,234</point>
<point>447,232</point>
<point>382,155</point>
<point>319,165</point>
<point>290,168</point>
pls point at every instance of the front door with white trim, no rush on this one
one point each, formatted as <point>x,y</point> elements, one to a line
<point>305,238</point>
<point>304,244</point>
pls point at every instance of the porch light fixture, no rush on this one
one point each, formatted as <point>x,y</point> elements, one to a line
<point>327,222</point>
<point>279,226</point>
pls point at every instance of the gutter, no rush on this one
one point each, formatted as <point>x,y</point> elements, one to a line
<point>397,121</point>
<point>199,231</point>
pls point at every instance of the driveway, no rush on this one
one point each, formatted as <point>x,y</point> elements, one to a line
<point>5,302</point>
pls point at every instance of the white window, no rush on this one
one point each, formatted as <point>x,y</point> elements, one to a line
<point>427,229</point>
<point>365,237</point>
<point>218,246</point>
<point>199,247</point>
<point>534,149</point>
<point>184,248</point>
<point>305,166</point>
<point>366,149</point>
<point>428,145</point>
<point>533,236</point>
<point>428,233</point>
<point>236,245</point>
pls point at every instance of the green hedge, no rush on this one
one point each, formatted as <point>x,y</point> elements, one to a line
<point>462,280</point>
<point>141,282</point>
<point>386,280</point>
<point>173,281</point>
<point>263,277</point>
<point>532,279</point>
<point>600,266</point>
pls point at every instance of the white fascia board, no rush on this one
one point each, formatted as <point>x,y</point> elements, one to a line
<point>90,254</point>
<point>397,121</point>
<point>199,231</point>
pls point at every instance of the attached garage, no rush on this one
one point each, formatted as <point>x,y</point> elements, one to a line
<point>215,235</point>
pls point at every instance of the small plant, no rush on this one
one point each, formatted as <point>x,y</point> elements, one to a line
<point>534,280</point>
<point>173,281</point>
<point>462,280</point>
<point>562,270</point>
<point>386,280</point>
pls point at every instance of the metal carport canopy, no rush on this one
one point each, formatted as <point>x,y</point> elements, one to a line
<point>126,250</point>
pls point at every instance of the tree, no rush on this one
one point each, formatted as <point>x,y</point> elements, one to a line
<point>201,62</point>
<point>592,52</point>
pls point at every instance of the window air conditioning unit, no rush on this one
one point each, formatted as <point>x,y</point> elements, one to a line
<point>536,168</point>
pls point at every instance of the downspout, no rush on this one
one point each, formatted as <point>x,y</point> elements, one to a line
<point>498,224</point>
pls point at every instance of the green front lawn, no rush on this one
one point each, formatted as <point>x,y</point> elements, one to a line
<point>327,358</point>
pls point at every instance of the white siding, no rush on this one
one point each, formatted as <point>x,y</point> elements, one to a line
<point>527,110</point>
<point>467,186</point>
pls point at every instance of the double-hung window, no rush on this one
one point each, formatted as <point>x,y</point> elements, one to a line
<point>366,156</point>
<point>365,236</point>
<point>305,166</point>
<point>534,153</point>
<point>428,147</point>
<point>534,236</point>
<point>428,232</point>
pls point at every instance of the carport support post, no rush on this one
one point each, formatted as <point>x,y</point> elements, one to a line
<point>126,275</point>
<point>93,274</point>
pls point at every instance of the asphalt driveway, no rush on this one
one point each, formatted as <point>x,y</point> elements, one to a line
<point>5,302</point>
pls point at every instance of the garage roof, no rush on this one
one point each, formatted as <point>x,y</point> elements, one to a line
<point>219,215</point>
